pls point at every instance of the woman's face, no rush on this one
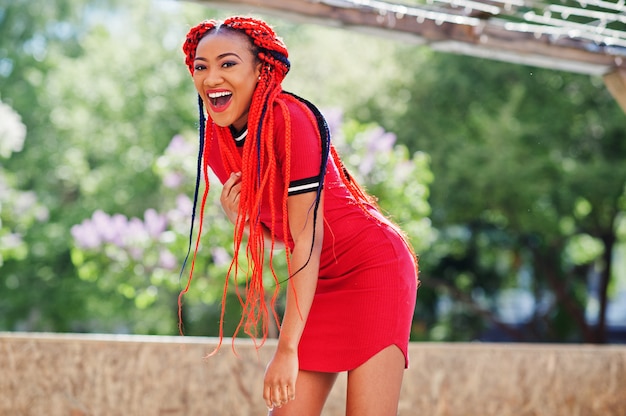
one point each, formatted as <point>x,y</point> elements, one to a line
<point>225,74</point>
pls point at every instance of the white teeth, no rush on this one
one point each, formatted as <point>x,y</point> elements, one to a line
<point>219,94</point>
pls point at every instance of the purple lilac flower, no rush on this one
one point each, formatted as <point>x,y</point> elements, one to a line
<point>119,223</point>
<point>155,223</point>
<point>136,253</point>
<point>136,231</point>
<point>167,260</point>
<point>85,235</point>
<point>184,203</point>
<point>378,141</point>
<point>102,223</point>
<point>178,144</point>
<point>334,119</point>
<point>220,256</point>
<point>173,180</point>
<point>182,212</point>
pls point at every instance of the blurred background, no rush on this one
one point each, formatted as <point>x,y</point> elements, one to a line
<point>510,180</point>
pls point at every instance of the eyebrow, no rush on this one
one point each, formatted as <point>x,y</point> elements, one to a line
<point>224,55</point>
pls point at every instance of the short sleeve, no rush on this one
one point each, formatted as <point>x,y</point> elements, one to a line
<point>305,149</point>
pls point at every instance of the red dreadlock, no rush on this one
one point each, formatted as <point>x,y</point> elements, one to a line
<point>258,167</point>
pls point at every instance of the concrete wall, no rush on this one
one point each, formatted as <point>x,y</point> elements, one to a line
<point>78,375</point>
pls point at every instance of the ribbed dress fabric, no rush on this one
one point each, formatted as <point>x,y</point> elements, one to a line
<point>367,284</point>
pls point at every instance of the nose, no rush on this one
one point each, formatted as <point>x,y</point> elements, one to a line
<point>213,78</point>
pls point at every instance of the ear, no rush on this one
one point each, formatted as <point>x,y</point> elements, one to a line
<point>257,70</point>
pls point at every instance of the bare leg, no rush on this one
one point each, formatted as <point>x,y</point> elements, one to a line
<point>312,389</point>
<point>374,387</point>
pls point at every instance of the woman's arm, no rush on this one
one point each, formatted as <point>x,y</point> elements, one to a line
<point>305,263</point>
<point>282,371</point>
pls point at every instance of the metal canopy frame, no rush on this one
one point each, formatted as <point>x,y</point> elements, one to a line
<point>581,36</point>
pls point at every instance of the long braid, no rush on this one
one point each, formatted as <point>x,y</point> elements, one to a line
<point>258,152</point>
<point>259,169</point>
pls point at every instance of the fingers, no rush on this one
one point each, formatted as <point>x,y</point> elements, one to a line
<point>291,392</point>
<point>232,186</point>
<point>267,396</point>
<point>230,196</point>
<point>278,395</point>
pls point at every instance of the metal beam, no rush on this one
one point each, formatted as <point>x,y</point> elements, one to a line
<point>488,37</point>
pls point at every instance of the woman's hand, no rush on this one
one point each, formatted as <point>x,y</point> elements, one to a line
<point>280,376</point>
<point>230,196</point>
<point>279,386</point>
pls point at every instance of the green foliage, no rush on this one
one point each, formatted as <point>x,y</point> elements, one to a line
<point>101,100</point>
<point>117,254</point>
<point>529,163</point>
<point>400,181</point>
<point>525,200</point>
<point>19,210</point>
<point>110,153</point>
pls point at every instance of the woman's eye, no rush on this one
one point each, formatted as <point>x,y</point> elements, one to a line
<point>228,64</point>
<point>199,67</point>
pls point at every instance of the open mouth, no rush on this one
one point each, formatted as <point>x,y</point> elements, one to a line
<point>220,99</point>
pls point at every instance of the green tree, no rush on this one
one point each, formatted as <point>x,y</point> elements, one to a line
<point>19,210</point>
<point>117,254</point>
<point>28,30</point>
<point>100,90</point>
<point>528,167</point>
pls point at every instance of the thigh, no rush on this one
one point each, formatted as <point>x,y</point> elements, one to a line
<point>312,389</point>
<point>374,387</point>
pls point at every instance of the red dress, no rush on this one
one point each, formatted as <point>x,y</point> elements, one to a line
<point>367,283</point>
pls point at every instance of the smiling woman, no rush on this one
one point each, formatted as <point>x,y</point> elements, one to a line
<point>352,280</point>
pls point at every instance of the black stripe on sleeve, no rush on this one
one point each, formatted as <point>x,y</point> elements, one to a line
<point>302,186</point>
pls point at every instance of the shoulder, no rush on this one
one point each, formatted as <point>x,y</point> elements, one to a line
<point>296,129</point>
<point>292,109</point>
